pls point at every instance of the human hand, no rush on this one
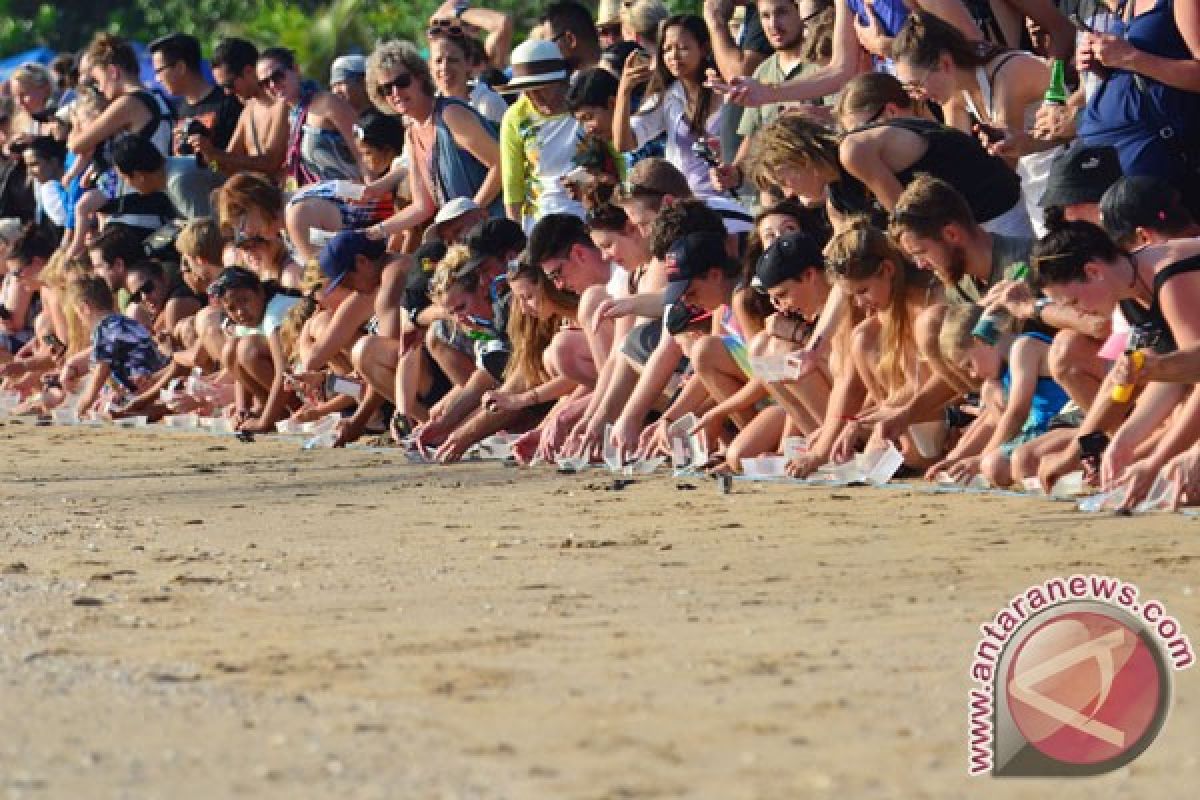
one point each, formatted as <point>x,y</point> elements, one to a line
<point>614,307</point>
<point>725,176</point>
<point>848,442</point>
<point>637,71</point>
<point>1183,472</point>
<point>1053,123</point>
<point>871,34</point>
<point>804,465</point>
<point>624,437</point>
<point>1127,372</point>
<point>527,448</point>
<point>1015,297</point>
<point>203,146</point>
<point>1137,480</point>
<point>1117,456</point>
<point>718,11</point>
<point>1111,51</point>
<point>964,469</point>
<point>453,448</point>
<point>739,90</point>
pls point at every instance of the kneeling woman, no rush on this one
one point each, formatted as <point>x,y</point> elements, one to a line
<point>550,357</point>
<point>870,270</point>
<point>254,354</point>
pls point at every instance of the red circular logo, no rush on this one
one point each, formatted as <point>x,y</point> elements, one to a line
<point>1083,688</point>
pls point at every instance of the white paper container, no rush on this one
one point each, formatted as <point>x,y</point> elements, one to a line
<point>131,422</point>
<point>64,416</point>
<point>221,425</point>
<point>929,437</point>
<point>1069,485</point>
<point>183,422</point>
<point>1103,501</point>
<point>794,447</point>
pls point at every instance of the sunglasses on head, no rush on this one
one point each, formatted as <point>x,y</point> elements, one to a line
<point>277,75</point>
<point>401,81</point>
<point>142,292</point>
<point>444,28</point>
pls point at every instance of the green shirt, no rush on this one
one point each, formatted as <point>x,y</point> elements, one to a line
<point>1007,253</point>
<point>770,72</point>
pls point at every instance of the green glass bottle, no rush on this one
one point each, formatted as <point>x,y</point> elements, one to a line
<point>1056,93</point>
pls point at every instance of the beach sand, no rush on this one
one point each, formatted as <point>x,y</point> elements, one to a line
<point>192,617</point>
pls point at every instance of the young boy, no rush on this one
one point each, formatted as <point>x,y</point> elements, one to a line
<point>1019,396</point>
<point>538,136</point>
<point>122,348</point>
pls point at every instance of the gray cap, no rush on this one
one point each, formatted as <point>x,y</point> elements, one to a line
<point>347,67</point>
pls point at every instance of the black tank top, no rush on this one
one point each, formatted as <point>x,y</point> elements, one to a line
<point>1154,318</point>
<point>989,186</point>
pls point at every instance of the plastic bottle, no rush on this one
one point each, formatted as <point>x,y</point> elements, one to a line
<point>1123,392</point>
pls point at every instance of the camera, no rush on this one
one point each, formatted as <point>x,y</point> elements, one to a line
<point>193,127</point>
<point>1146,337</point>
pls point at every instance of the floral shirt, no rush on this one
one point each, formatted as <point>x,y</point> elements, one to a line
<point>127,348</point>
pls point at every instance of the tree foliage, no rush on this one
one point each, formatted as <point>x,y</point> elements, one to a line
<point>318,30</point>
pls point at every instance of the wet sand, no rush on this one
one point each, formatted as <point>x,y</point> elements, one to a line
<point>191,617</point>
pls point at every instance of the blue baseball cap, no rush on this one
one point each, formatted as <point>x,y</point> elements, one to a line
<point>338,255</point>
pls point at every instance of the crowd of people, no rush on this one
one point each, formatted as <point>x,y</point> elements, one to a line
<point>963,228</point>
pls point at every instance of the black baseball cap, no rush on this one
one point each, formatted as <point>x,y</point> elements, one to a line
<point>788,257</point>
<point>693,256</point>
<point>1081,175</point>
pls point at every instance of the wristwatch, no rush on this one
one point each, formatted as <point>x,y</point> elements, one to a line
<point>1039,306</point>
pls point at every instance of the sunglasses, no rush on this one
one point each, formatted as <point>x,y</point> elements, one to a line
<point>276,76</point>
<point>400,82</point>
<point>251,241</point>
<point>142,292</point>
<point>443,28</point>
<point>159,70</point>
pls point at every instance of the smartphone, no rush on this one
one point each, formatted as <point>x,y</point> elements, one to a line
<point>336,384</point>
<point>56,345</point>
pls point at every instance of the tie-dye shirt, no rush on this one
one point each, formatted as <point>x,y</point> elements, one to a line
<point>535,152</point>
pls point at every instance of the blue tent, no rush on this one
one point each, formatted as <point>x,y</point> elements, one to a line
<point>40,55</point>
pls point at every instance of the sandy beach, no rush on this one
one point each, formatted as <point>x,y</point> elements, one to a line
<point>185,616</point>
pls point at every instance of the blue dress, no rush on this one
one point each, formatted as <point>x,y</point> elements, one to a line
<point>1133,113</point>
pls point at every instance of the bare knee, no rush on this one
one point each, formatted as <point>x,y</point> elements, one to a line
<point>707,353</point>
<point>1069,353</point>
<point>995,467</point>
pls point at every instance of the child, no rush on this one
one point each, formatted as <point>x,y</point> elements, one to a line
<point>254,353</point>
<point>1019,397</point>
<point>122,348</point>
<point>538,136</point>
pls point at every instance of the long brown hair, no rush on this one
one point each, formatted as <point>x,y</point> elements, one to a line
<point>529,335</point>
<point>858,253</point>
<point>923,38</point>
<point>698,114</point>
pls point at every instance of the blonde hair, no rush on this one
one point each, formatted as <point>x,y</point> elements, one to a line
<point>956,337</point>
<point>448,274</point>
<point>608,12</point>
<point>201,238</point>
<point>793,141</point>
<point>33,74</point>
<point>299,314</point>
<point>857,253</point>
<point>386,58</point>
